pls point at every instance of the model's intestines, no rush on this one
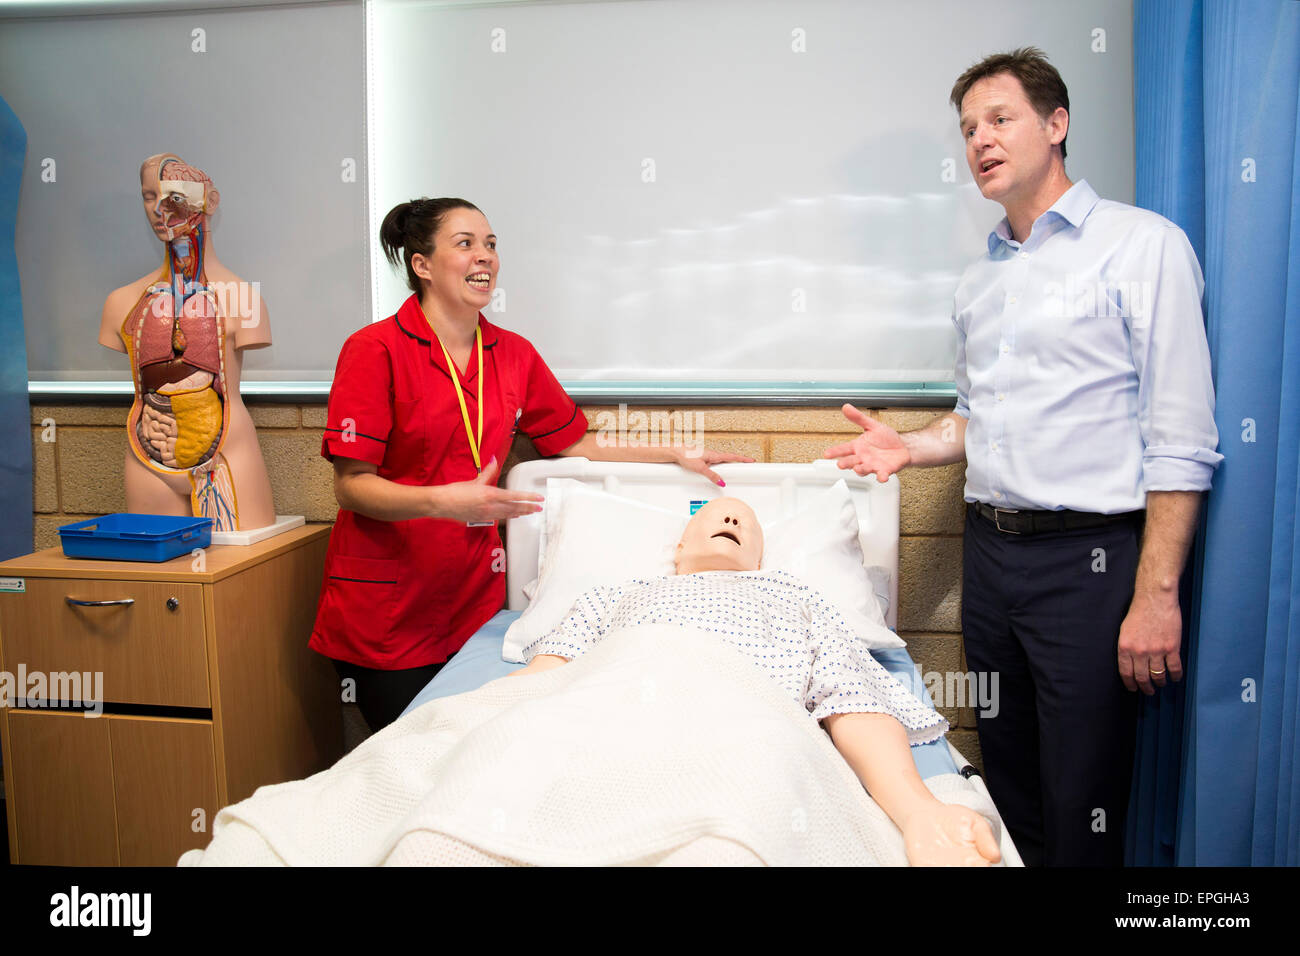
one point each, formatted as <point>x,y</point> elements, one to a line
<point>179,366</point>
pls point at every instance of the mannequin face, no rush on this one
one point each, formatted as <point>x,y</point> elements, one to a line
<point>461,272</point>
<point>724,535</point>
<point>176,203</point>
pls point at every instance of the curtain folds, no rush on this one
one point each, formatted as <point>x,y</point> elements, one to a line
<point>1216,107</point>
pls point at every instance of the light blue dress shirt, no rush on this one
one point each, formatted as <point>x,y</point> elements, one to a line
<point>1082,363</point>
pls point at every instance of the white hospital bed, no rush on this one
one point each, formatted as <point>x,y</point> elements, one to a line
<point>774,491</point>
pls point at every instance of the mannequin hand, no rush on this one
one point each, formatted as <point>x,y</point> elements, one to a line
<point>539,663</point>
<point>879,448</point>
<point>481,500</point>
<point>942,834</point>
<point>698,460</point>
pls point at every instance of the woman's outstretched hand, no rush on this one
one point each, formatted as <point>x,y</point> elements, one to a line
<point>700,460</point>
<point>480,500</point>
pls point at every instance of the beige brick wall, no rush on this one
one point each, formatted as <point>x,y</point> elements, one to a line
<point>78,452</point>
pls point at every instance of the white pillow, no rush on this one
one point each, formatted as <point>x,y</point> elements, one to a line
<point>879,578</point>
<point>820,545</point>
<point>596,538</point>
<point>592,538</point>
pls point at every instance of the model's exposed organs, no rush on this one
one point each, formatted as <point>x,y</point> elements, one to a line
<point>180,419</point>
<point>187,426</point>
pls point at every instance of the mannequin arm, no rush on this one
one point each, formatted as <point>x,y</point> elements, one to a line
<point>116,306</point>
<point>935,833</point>
<point>539,663</point>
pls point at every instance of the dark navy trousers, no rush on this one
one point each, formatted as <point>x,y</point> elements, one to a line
<point>1043,613</point>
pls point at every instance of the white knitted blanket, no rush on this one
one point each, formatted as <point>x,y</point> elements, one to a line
<point>662,745</point>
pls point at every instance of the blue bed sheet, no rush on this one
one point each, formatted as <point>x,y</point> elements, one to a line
<point>479,662</point>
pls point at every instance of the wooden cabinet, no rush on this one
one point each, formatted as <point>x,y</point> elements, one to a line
<point>208,689</point>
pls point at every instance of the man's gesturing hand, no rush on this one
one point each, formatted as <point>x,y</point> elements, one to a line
<point>878,449</point>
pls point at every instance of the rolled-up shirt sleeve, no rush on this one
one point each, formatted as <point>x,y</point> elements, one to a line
<point>1172,358</point>
<point>360,412</point>
<point>581,629</point>
<point>846,679</point>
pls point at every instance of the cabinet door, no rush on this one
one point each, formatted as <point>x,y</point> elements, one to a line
<point>165,783</point>
<point>63,789</point>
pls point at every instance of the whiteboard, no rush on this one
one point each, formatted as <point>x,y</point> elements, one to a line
<point>693,197</point>
<point>725,190</point>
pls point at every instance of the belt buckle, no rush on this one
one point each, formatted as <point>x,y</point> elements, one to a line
<point>998,512</point>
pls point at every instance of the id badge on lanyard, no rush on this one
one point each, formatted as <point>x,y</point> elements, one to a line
<point>475,441</point>
<point>519,412</point>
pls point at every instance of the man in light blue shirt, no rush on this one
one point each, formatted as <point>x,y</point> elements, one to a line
<point>1084,406</point>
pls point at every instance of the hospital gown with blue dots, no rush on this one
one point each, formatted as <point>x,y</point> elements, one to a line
<point>785,626</point>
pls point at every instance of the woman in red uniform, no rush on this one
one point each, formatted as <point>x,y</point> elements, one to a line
<point>423,407</point>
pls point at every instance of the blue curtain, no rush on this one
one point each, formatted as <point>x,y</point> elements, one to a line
<point>15,414</point>
<point>1217,96</point>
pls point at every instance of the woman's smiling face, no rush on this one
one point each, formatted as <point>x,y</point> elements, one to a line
<point>461,272</point>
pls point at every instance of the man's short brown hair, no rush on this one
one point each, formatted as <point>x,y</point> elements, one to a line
<point>1042,84</point>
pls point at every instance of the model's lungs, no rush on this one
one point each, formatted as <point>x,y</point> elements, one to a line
<point>182,415</point>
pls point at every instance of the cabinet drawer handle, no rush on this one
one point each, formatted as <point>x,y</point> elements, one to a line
<point>75,603</point>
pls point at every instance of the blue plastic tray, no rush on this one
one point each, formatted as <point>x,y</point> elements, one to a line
<point>132,537</point>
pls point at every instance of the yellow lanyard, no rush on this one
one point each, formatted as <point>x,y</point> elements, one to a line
<point>460,394</point>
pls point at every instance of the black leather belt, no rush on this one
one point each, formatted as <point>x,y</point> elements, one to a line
<point>1022,521</point>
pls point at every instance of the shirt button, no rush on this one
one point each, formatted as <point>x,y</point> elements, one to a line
<point>995,446</point>
<point>1005,348</point>
<point>1002,396</point>
<point>1024,255</point>
<point>997,494</point>
<point>1011,300</point>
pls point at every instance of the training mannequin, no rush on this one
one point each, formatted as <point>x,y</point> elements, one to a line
<point>719,552</point>
<point>191,445</point>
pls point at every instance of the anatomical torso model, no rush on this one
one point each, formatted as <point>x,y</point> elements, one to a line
<point>191,445</point>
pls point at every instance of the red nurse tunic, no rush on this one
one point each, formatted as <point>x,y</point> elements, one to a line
<point>401,594</point>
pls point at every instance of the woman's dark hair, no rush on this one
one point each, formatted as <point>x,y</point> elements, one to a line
<point>409,228</point>
<point>1042,84</point>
